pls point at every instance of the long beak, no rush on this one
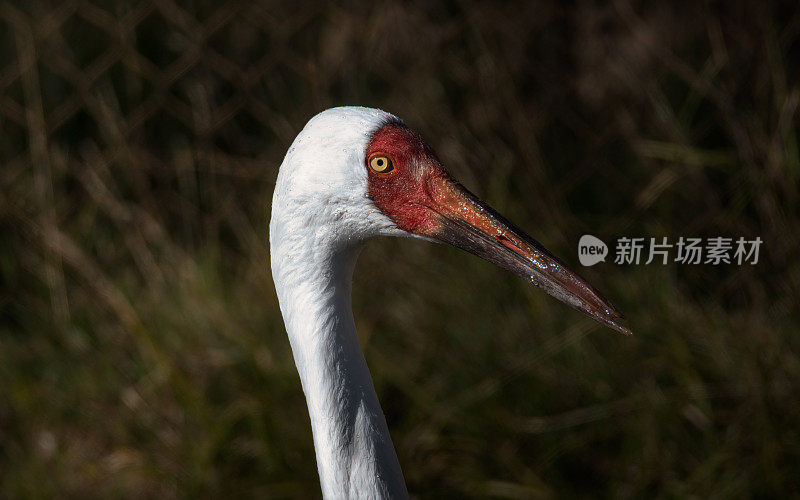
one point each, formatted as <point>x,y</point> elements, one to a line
<point>467,222</point>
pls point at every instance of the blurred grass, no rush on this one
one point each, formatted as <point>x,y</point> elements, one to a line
<point>141,348</point>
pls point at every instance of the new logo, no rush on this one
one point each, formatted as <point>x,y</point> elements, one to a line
<point>591,250</point>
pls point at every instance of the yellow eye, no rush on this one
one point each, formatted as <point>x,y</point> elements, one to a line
<point>381,164</point>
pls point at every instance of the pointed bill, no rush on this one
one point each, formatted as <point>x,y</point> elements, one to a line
<point>464,221</point>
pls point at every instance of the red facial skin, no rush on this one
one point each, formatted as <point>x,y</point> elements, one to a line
<point>403,194</point>
<point>419,189</point>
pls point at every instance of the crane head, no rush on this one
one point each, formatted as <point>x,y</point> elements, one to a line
<point>386,180</point>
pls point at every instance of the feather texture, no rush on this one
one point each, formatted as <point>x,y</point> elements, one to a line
<point>321,216</point>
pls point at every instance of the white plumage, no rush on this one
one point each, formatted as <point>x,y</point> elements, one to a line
<point>321,217</point>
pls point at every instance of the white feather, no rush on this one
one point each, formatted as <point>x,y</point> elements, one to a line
<point>321,216</point>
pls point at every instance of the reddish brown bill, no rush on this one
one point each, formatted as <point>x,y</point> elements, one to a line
<point>467,222</point>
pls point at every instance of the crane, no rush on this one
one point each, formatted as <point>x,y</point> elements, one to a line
<point>352,174</point>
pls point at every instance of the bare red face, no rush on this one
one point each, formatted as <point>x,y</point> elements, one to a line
<point>408,183</point>
<point>402,193</point>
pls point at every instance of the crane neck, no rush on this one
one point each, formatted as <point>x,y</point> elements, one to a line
<point>355,455</point>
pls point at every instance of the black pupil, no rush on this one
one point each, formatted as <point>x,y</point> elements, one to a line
<point>380,163</point>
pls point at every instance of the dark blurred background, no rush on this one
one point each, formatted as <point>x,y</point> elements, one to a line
<point>141,347</point>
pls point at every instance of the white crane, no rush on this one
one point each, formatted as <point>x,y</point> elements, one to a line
<point>352,174</point>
